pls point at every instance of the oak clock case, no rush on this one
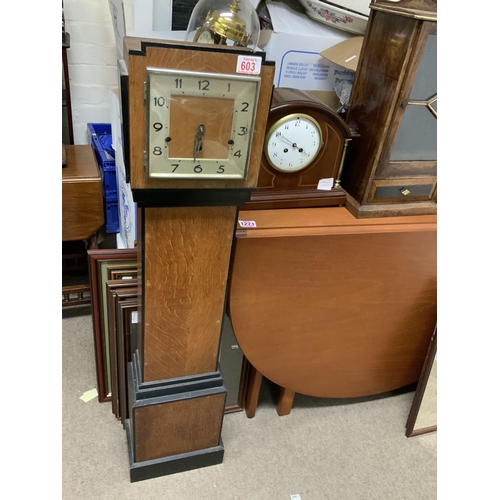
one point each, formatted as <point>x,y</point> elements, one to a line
<point>393,106</point>
<point>196,126</point>
<point>306,141</point>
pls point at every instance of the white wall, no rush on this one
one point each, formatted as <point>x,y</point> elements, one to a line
<point>92,63</point>
<point>92,54</point>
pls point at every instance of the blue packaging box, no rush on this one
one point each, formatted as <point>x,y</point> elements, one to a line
<point>101,140</point>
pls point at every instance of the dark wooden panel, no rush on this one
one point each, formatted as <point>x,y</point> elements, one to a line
<point>402,189</point>
<point>186,260</point>
<point>378,81</point>
<point>172,428</point>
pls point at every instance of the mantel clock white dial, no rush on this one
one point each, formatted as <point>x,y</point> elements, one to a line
<point>199,125</point>
<point>293,142</point>
<point>204,35</point>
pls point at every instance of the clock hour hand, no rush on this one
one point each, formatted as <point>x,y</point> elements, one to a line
<point>198,141</point>
<point>294,145</point>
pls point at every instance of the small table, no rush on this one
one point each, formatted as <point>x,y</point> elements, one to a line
<point>82,207</point>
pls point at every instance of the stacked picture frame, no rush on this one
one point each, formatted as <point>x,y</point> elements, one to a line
<point>114,302</point>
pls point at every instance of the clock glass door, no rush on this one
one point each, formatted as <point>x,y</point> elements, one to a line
<point>417,136</point>
<point>199,125</point>
<point>206,120</point>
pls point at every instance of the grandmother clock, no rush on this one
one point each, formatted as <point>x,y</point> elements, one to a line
<point>393,106</point>
<point>196,121</point>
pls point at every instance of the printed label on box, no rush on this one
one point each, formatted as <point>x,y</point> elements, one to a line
<point>305,70</point>
<point>310,71</point>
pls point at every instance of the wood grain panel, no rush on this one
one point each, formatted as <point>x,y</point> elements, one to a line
<point>186,261</point>
<point>168,429</point>
<point>188,113</point>
<point>325,221</point>
<point>376,89</point>
<point>82,205</point>
<point>336,315</point>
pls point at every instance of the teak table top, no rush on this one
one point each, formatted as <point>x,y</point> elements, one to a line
<point>82,203</point>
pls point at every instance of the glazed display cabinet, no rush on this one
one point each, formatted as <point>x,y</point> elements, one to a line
<point>393,169</point>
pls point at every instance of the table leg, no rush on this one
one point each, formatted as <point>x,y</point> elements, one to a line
<point>253,390</point>
<point>285,402</point>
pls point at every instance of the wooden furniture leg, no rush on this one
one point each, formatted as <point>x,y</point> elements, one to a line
<point>253,391</point>
<point>285,402</point>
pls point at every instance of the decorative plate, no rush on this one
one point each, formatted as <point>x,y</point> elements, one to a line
<point>343,18</point>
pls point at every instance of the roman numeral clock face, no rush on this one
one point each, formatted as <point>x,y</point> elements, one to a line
<point>199,125</point>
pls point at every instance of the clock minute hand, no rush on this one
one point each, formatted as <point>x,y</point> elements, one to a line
<point>294,145</point>
<point>198,141</point>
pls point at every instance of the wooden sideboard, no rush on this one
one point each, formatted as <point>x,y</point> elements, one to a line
<point>82,211</point>
<point>82,205</point>
<point>328,305</point>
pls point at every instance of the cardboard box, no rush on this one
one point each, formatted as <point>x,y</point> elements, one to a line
<point>296,45</point>
<point>345,54</point>
<point>312,56</point>
<point>127,208</point>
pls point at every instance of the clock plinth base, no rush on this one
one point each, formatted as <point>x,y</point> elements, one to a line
<point>375,210</point>
<point>140,471</point>
<point>174,425</point>
<point>298,198</point>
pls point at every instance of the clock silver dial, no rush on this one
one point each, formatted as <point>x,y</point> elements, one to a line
<point>199,125</point>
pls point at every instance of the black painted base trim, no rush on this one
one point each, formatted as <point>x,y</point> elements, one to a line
<point>200,48</point>
<point>165,466</point>
<point>215,197</point>
<point>143,394</point>
<point>162,391</point>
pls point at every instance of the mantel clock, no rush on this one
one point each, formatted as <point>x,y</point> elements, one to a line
<point>305,145</point>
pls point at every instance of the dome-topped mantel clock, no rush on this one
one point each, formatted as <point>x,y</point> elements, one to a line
<point>393,106</point>
<point>304,149</point>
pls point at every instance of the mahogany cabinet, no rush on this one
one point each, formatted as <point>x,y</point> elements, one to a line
<point>393,106</point>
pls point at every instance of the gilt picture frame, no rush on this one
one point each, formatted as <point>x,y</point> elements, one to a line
<point>99,259</point>
<point>126,327</point>
<point>422,418</point>
<point>116,291</point>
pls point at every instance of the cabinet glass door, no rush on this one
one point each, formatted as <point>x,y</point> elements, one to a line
<point>417,136</point>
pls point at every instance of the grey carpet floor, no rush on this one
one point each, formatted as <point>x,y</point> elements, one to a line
<point>326,449</point>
